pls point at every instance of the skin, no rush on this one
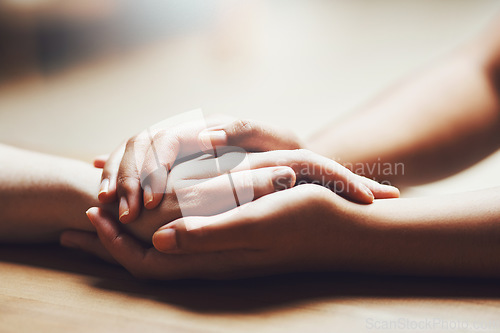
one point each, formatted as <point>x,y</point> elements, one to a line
<point>454,235</point>
<point>135,174</point>
<point>441,121</point>
<point>275,234</point>
<point>446,116</point>
<point>44,195</point>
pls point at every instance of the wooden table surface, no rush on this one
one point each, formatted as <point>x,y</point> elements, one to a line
<point>298,64</point>
<point>46,289</point>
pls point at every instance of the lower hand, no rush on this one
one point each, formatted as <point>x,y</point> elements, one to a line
<point>300,229</point>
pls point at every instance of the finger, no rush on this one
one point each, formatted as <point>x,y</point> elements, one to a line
<point>326,172</point>
<point>151,264</point>
<point>158,161</point>
<point>195,234</point>
<point>248,134</point>
<point>127,251</point>
<point>205,166</point>
<point>86,241</point>
<point>128,184</point>
<point>228,191</point>
<point>251,227</point>
<point>146,163</point>
<point>140,261</point>
<point>100,161</point>
<point>250,185</point>
<point>380,191</point>
<point>168,145</point>
<point>107,189</point>
<point>309,167</point>
<point>230,159</point>
<point>317,169</point>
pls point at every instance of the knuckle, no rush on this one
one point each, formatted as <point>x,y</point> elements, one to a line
<point>160,134</point>
<point>139,141</point>
<point>127,183</point>
<point>245,127</point>
<point>132,141</point>
<point>165,137</point>
<point>130,144</point>
<point>116,240</point>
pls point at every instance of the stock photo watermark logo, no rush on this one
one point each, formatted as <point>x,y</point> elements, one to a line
<point>380,168</point>
<point>431,324</point>
<point>172,162</point>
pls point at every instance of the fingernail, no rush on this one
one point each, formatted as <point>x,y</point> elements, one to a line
<point>148,196</point>
<point>210,139</point>
<point>123,209</point>
<point>104,187</point>
<point>283,178</point>
<point>368,192</point>
<point>165,240</point>
<point>90,216</point>
<point>395,190</point>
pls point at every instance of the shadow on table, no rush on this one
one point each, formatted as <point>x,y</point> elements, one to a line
<point>257,294</point>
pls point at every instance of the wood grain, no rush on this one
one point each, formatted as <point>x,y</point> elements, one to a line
<point>49,289</point>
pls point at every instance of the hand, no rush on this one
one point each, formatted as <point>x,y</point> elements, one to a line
<point>300,229</point>
<point>207,199</point>
<point>207,186</point>
<point>201,186</point>
<point>137,171</point>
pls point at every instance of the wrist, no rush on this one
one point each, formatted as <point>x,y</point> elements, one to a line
<point>450,235</point>
<point>342,236</point>
<point>43,195</point>
<point>78,192</point>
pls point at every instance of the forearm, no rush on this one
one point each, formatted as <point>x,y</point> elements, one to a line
<point>457,235</point>
<point>41,195</point>
<point>428,126</point>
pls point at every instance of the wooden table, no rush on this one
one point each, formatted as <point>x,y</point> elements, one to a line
<point>47,289</point>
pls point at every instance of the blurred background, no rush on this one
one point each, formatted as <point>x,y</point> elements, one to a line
<point>78,77</point>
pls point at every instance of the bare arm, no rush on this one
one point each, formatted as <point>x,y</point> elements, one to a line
<point>41,195</point>
<point>308,228</point>
<point>455,235</point>
<point>434,124</point>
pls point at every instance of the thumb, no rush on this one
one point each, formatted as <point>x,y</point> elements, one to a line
<point>196,234</point>
<point>250,135</point>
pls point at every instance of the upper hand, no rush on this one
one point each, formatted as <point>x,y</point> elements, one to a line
<point>208,185</point>
<point>136,172</point>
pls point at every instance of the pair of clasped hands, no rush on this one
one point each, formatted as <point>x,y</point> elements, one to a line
<point>209,216</point>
